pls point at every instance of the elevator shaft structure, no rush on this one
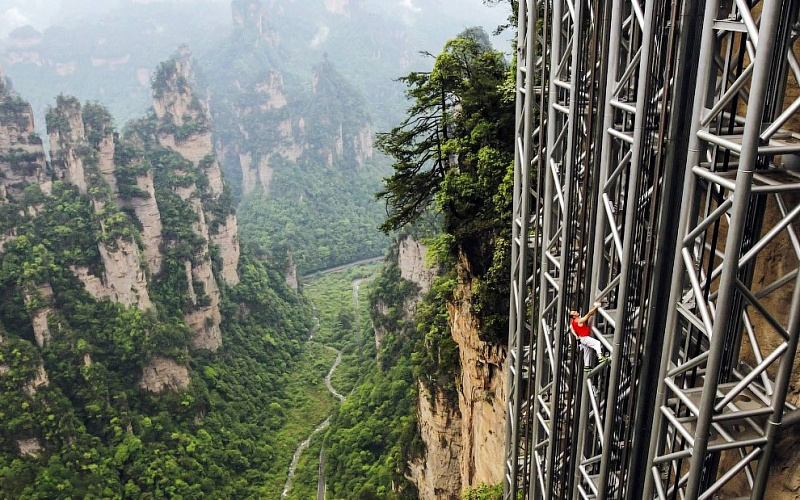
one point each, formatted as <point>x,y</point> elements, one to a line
<point>657,172</point>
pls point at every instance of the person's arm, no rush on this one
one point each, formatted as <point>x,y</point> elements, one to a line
<point>582,321</point>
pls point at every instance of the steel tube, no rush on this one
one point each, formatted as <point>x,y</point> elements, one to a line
<point>727,286</point>
<point>779,394</point>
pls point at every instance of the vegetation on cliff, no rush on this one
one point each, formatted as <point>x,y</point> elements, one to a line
<point>452,152</point>
<point>374,430</point>
<point>76,419</point>
<point>452,157</point>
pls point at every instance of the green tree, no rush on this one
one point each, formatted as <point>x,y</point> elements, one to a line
<point>456,108</point>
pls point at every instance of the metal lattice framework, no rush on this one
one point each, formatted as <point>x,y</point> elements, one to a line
<point>604,140</point>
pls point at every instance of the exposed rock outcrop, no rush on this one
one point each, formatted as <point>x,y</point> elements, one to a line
<point>273,90</point>
<point>362,144</point>
<point>39,304</point>
<point>413,265</point>
<point>68,141</point>
<point>39,379</point>
<point>226,238</point>
<point>205,319</point>
<point>22,160</point>
<point>258,175</point>
<point>481,396</point>
<point>86,162</point>
<point>437,474</point>
<point>163,373</point>
<point>146,210</point>
<point>29,447</point>
<point>124,280</point>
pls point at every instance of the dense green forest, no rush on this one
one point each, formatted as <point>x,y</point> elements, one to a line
<point>320,207</point>
<point>230,433</point>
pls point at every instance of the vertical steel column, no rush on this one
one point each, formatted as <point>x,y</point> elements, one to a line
<point>730,264</point>
<point>709,411</point>
<point>680,71</point>
<point>519,329</point>
<point>632,206</point>
<point>554,257</point>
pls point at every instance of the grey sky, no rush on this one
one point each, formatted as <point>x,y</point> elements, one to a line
<point>42,13</point>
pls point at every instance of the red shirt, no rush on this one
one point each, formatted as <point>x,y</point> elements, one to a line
<point>581,331</point>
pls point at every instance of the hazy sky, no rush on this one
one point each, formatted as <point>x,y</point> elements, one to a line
<point>42,13</point>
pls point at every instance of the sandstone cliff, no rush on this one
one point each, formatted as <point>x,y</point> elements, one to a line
<point>184,128</point>
<point>82,152</point>
<point>22,160</point>
<point>437,473</point>
<point>481,392</point>
<point>465,436</point>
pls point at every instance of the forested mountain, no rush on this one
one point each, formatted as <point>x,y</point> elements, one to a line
<point>301,157</point>
<point>296,90</point>
<point>105,51</point>
<point>140,355</point>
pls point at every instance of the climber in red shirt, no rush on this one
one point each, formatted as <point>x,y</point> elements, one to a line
<point>582,328</point>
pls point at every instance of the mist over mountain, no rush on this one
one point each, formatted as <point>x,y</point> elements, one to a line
<point>105,51</point>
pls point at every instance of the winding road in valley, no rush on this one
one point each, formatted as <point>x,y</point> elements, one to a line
<point>324,425</point>
<point>321,427</point>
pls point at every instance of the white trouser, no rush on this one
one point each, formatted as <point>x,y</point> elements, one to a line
<point>589,344</point>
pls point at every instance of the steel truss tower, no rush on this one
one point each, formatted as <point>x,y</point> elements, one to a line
<point>657,170</point>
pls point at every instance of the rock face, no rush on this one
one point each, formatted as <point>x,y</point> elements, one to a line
<point>465,441</point>
<point>177,108</point>
<point>146,210</point>
<point>437,474</point>
<point>413,265</point>
<point>481,396</point>
<point>124,279</point>
<point>164,373</point>
<point>29,447</point>
<point>226,238</point>
<point>205,319</point>
<point>39,304</point>
<point>22,160</point>
<point>85,162</point>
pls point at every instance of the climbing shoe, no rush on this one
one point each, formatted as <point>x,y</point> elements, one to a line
<point>587,369</point>
<point>602,359</point>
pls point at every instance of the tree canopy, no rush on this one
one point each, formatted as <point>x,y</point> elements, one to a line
<point>456,110</point>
